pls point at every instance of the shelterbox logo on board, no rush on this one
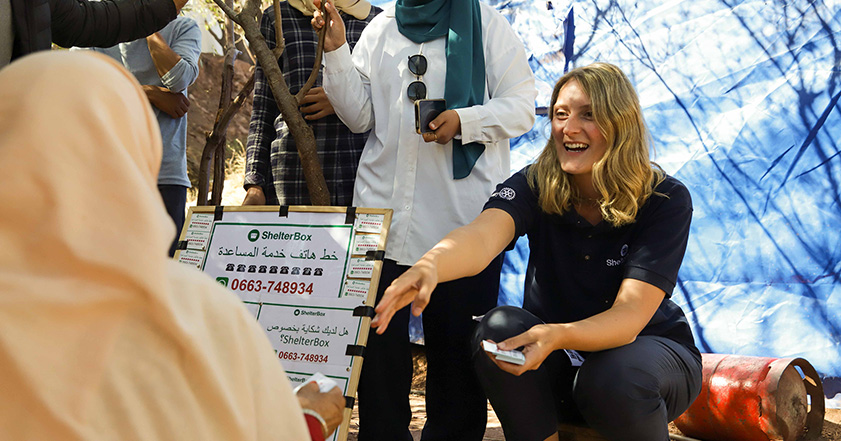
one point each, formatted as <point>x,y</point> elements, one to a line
<point>254,235</point>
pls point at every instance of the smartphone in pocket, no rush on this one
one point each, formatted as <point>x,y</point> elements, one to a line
<point>426,111</point>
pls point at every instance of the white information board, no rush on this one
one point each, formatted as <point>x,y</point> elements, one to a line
<point>308,274</point>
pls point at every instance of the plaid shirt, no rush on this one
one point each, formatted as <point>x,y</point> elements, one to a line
<point>271,156</point>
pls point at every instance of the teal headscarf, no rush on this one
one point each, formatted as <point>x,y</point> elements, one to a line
<point>461,22</point>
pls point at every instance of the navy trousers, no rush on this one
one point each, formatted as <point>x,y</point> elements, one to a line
<point>629,393</point>
<point>175,201</point>
<point>456,407</point>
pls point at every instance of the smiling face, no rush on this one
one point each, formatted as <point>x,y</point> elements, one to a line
<point>578,141</point>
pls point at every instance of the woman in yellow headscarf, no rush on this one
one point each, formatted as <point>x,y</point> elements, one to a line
<point>101,335</point>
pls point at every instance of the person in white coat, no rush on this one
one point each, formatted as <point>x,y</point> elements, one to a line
<point>465,52</point>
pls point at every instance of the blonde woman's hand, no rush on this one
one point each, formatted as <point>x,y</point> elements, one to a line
<point>538,342</point>
<point>414,286</point>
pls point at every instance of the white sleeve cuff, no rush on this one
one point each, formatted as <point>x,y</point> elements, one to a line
<point>471,124</point>
<point>338,61</point>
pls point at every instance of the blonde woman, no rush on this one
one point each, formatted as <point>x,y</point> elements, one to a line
<point>607,231</point>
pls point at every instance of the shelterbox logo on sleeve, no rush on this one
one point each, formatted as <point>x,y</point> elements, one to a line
<point>253,235</point>
<point>506,193</point>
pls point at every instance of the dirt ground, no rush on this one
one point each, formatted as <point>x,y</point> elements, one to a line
<point>831,427</point>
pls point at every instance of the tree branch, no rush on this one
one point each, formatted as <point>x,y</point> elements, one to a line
<point>287,104</point>
<point>229,11</point>
<point>280,42</point>
<point>219,38</point>
<point>319,51</point>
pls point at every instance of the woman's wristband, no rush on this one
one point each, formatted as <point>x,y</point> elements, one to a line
<point>324,430</point>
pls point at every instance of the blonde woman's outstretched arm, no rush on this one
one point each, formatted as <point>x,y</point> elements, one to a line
<point>465,252</point>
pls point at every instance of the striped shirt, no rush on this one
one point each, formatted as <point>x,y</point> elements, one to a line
<point>271,154</point>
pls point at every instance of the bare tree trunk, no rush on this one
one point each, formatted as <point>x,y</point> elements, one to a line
<point>225,98</point>
<point>204,171</point>
<point>216,140</point>
<point>288,105</point>
<point>218,171</point>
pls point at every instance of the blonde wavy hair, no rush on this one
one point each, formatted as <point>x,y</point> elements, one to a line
<point>625,177</point>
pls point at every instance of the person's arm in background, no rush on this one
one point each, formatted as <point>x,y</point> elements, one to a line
<point>177,65</point>
<point>261,129</point>
<point>106,23</point>
<point>173,104</point>
<point>323,411</point>
<point>315,105</point>
<point>346,80</point>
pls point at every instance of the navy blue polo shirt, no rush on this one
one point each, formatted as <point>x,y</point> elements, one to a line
<point>575,268</point>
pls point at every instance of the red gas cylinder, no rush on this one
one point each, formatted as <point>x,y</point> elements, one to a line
<point>755,399</point>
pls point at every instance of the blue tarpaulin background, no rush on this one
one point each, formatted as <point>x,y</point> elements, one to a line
<point>742,102</point>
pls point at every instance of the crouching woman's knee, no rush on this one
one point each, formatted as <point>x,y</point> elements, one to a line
<point>504,322</point>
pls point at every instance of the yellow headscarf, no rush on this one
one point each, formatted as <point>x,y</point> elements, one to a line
<point>356,8</point>
<point>101,335</point>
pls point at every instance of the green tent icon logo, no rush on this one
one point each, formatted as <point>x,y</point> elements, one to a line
<point>253,235</point>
